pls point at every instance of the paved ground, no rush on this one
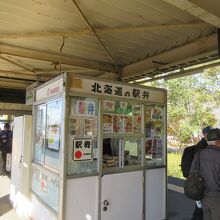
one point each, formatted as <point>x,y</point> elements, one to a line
<point>179,207</point>
<point>6,211</point>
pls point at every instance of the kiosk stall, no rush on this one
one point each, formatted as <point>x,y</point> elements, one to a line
<point>99,150</point>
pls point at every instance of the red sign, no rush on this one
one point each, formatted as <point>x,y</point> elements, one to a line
<point>78,154</point>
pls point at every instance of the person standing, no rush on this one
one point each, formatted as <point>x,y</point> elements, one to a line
<point>6,144</point>
<point>186,163</point>
<point>209,159</point>
<point>198,211</point>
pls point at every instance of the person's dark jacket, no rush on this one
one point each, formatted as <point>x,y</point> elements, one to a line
<point>202,144</point>
<point>6,141</point>
<point>188,155</point>
<point>209,168</point>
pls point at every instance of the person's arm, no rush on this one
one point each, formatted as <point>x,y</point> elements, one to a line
<point>10,135</point>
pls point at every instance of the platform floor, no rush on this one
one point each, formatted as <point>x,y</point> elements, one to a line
<point>179,207</point>
<point>6,210</point>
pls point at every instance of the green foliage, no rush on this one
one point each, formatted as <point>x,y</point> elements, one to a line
<point>173,162</point>
<point>191,101</point>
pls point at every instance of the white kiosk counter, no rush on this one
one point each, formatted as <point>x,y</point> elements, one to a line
<point>99,151</point>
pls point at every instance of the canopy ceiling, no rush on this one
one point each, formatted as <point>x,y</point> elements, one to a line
<point>122,39</point>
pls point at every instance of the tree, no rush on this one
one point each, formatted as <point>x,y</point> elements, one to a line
<point>191,101</point>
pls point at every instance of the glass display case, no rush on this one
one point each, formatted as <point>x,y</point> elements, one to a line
<point>122,117</point>
<point>46,153</point>
<point>40,133</point>
<point>132,152</point>
<point>48,133</point>
<point>53,134</point>
<point>83,122</point>
<point>155,136</point>
<point>120,120</point>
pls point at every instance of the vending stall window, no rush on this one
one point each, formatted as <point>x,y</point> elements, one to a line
<point>45,178</point>
<point>39,141</point>
<point>155,161</point>
<point>155,136</point>
<point>122,120</point>
<point>47,134</point>
<point>83,122</point>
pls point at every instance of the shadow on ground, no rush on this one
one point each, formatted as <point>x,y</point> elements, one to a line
<point>5,205</point>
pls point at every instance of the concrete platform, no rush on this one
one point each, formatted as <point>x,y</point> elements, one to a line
<point>179,207</point>
<point>6,210</point>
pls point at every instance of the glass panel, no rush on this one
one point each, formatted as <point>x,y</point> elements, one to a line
<point>111,151</point>
<point>53,134</point>
<point>46,186</point>
<point>122,117</point>
<point>155,136</point>
<point>132,152</point>
<point>83,147</point>
<point>39,145</point>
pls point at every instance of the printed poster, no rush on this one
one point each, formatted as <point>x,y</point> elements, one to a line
<point>136,109</point>
<point>107,123</point>
<point>157,113</point>
<point>90,126</point>
<point>128,123</point>
<point>76,126</point>
<point>137,124</point>
<point>85,108</point>
<point>118,123</point>
<point>154,148</point>
<point>54,137</point>
<point>109,106</point>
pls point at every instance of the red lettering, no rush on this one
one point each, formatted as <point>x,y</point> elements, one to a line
<point>53,91</point>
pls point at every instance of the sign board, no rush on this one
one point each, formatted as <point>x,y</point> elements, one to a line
<point>50,90</point>
<point>116,90</point>
<point>30,93</point>
<point>82,149</point>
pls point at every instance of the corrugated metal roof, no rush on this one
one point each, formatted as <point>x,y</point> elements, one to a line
<point>130,30</point>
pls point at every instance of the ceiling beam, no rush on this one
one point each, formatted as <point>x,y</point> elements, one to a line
<point>64,69</point>
<point>180,73</point>
<point>92,30</point>
<point>15,106</point>
<point>107,30</point>
<point>185,52</point>
<point>16,80</point>
<point>55,58</point>
<point>16,64</point>
<point>202,9</point>
<point>12,85</point>
<point>18,75</point>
